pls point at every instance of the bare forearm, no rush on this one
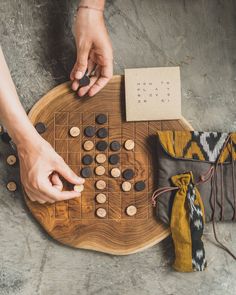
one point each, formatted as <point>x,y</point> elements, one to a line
<point>12,114</point>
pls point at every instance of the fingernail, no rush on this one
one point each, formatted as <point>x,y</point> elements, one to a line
<point>81,180</point>
<point>78,75</point>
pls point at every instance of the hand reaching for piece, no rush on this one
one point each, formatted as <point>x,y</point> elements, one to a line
<point>94,51</point>
<point>40,167</point>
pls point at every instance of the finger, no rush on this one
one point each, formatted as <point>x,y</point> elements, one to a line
<point>82,62</point>
<point>64,170</point>
<point>41,198</point>
<point>61,196</point>
<point>106,75</point>
<point>31,198</point>
<point>56,181</point>
<point>75,85</point>
<point>72,74</point>
<point>91,66</point>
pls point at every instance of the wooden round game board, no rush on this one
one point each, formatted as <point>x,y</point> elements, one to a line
<point>75,222</point>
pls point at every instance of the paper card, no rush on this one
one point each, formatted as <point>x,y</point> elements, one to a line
<point>153,94</point>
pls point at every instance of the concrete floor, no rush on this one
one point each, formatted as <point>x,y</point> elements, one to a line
<point>38,44</point>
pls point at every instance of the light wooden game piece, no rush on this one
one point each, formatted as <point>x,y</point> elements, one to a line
<point>101,198</point>
<point>78,188</point>
<point>88,145</point>
<point>131,210</point>
<point>126,186</point>
<point>129,144</point>
<point>11,160</point>
<point>115,172</point>
<point>11,186</point>
<point>101,184</point>
<point>101,158</point>
<point>74,131</point>
<point>101,212</point>
<point>100,170</point>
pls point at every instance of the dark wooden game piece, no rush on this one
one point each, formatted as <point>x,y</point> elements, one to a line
<point>114,159</point>
<point>40,127</point>
<point>11,186</point>
<point>89,131</point>
<point>101,198</point>
<point>86,172</point>
<point>101,145</point>
<point>101,212</point>
<point>87,159</point>
<point>88,145</point>
<point>101,158</point>
<point>115,146</point>
<point>131,210</point>
<point>85,80</point>
<point>74,131</point>
<point>101,119</point>
<point>6,137</point>
<point>11,160</point>
<point>128,174</point>
<point>115,172</point>
<point>100,170</point>
<point>126,186</point>
<point>102,132</point>
<point>139,186</point>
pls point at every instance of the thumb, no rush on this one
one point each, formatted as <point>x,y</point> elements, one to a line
<point>81,63</point>
<point>64,170</point>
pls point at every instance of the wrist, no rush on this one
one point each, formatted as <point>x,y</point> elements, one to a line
<point>29,144</point>
<point>23,132</point>
<point>92,4</point>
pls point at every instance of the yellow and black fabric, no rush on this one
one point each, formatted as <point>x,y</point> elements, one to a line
<point>187,224</point>
<point>199,146</point>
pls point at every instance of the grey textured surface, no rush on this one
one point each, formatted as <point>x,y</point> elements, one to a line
<point>38,44</point>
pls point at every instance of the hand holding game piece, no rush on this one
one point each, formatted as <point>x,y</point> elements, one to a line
<point>40,168</point>
<point>94,50</point>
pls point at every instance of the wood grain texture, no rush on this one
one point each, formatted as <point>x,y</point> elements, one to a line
<point>74,222</point>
